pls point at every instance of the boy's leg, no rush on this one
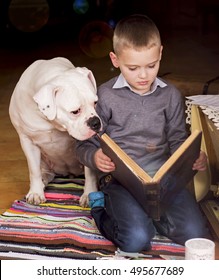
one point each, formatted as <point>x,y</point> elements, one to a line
<point>182,219</point>
<point>122,220</point>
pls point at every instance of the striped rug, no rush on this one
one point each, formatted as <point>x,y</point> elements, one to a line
<point>60,228</point>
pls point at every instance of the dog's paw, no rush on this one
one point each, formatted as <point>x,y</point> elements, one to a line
<point>84,201</point>
<point>35,198</point>
<point>90,186</point>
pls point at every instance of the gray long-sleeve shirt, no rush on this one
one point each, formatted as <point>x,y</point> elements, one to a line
<point>149,127</point>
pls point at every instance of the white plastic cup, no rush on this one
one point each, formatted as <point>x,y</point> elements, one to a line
<point>199,249</point>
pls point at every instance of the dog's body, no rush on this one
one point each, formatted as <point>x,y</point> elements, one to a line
<point>53,104</point>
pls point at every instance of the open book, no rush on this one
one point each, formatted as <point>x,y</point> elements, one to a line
<point>173,175</point>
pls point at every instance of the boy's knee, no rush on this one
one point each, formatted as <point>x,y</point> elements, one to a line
<point>136,240</point>
<point>198,231</point>
<point>189,232</point>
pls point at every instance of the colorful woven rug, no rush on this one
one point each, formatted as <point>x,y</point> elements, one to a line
<point>61,229</point>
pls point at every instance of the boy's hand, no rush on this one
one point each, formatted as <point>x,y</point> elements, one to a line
<point>103,162</point>
<point>201,162</point>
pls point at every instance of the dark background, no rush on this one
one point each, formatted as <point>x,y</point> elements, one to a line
<point>64,22</point>
<point>81,30</point>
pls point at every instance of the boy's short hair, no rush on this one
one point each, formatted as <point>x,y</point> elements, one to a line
<point>135,31</point>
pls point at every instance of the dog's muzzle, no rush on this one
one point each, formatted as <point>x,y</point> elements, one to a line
<point>94,123</point>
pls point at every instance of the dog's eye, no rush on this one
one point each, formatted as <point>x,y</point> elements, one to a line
<point>95,104</point>
<point>76,112</point>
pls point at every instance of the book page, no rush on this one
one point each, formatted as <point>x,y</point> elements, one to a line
<point>188,151</point>
<point>116,152</point>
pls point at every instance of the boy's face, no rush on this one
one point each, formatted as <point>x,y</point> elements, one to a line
<point>139,67</point>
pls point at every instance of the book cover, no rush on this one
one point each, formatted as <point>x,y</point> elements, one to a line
<point>173,175</point>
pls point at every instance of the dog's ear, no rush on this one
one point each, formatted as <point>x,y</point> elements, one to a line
<point>92,79</point>
<point>88,73</point>
<point>45,98</point>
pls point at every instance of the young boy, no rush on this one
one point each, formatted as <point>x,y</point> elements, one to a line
<point>144,115</point>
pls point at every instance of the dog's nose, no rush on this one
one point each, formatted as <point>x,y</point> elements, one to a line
<point>94,123</point>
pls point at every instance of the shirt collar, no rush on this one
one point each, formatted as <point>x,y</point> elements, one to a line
<point>121,82</point>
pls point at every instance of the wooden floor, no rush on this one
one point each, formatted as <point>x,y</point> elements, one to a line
<point>14,173</point>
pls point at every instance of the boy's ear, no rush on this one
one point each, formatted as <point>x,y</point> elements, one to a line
<point>161,50</point>
<point>114,59</point>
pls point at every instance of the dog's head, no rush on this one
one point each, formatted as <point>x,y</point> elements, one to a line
<point>68,102</point>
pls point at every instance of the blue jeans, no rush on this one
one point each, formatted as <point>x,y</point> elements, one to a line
<point>125,223</point>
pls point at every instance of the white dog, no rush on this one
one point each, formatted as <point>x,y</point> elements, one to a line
<point>53,104</point>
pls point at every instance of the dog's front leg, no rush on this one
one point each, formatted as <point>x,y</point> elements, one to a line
<point>33,156</point>
<point>89,186</point>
